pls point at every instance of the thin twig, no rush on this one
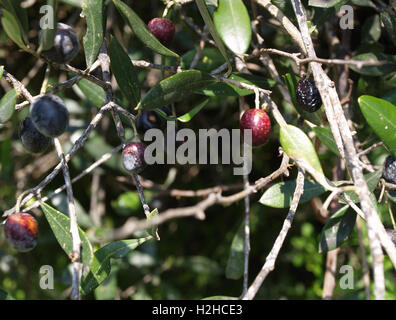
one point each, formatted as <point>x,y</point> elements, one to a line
<point>269,264</point>
<point>76,241</point>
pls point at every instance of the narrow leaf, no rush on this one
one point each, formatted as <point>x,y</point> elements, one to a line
<point>12,29</point>
<point>381,116</point>
<point>101,267</point>
<point>232,22</point>
<point>189,115</point>
<point>94,12</point>
<point>235,263</point>
<point>7,105</point>
<point>280,195</point>
<point>124,72</point>
<point>374,71</point>
<point>92,92</point>
<point>153,230</point>
<point>175,88</point>
<point>225,89</point>
<point>212,29</point>
<point>141,31</point>
<point>296,144</point>
<point>337,229</point>
<point>326,137</point>
<point>60,225</point>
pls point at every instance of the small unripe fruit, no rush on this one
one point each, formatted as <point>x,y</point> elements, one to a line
<point>49,115</point>
<point>389,172</point>
<point>259,122</point>
<point>163,29</point>
<point>133,157</point>
<point>65,47</point>
<point>21,231</point>
<point>32,140</point>
<point>308,96</point>
<point>148,120</point>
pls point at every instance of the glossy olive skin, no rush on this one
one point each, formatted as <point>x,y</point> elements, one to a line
<point>49,115</point>
<point>163,29</point>
<point>133,157</point>
<point>66,45</point>
<point>21,231</point>
<point>389,171</point>
<point>32,140</point>
<point>259,122</point>
<point>308,96</point>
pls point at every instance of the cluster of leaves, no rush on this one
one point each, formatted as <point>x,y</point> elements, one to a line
<point>203,252</point>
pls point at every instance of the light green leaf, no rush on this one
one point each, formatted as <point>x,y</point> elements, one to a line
<point>232,22</point>
<point>7,105</point>
<point>141,31</point>
<point>101,267</point>
<point>94,12</point>
<point>381,116</point>
<point>297,145</point>
<point>280,195</point>
<point>60,225</point>
<point>212,29</point>
<point>189,115</point>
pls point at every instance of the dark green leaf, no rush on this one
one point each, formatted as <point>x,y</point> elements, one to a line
<point>371,30</point>
<point>7,105</point>
<point>175,88</point>
<point>141,31</point>
<point>60,225</point>
<point>389,22</point>
<point>337,229</point>
<point>12,28</point>
<point>280,195</point>
<point>20,15</point>
<point>124,72</point>
<point>381,116</point>
<point>232,22</point>
<point>374,71</point>
<point>94,12</point>
<point>225,89</point>
<point>291,82</point>
<point>296,144</point>
<point>326,137</point>
<point>235,263</point>
<point>101,267</point>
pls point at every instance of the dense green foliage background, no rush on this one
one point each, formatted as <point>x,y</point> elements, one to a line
<point>190,260</point>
